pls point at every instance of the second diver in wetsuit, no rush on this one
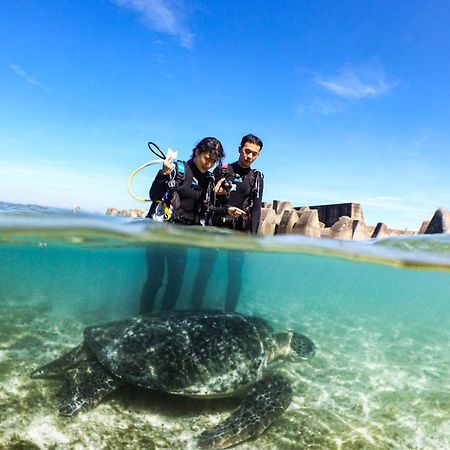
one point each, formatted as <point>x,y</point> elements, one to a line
<point>239,190</point>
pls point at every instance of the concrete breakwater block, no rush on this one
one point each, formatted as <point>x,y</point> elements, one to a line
<point>342,229</point>
<point>308,224</point>
<point>440,223</point>
<point>423,227</point>
<point>347,229</point>
<point>330,214</point>
<point>268,221</point>
<point>360,232</point>
<point>381,231</point>
<point>288,219</point>
<point>281,206</point>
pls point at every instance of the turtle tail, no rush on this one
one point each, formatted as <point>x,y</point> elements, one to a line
<point>61,364</point>
<point>268,398</point>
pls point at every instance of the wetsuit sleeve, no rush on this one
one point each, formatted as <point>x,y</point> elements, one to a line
<point>159,186</point>
<point>257,203</point>
<point>220,210</point>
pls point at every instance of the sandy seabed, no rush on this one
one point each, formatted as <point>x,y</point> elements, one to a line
<point>368,387</point>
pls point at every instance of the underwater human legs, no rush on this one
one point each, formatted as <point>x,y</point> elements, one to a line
<point>235,261</point>
<point>207,261</point>
<point>155,256</point>
<point>176,263</point>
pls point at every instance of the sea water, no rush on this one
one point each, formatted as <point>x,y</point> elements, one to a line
<point>378,312</point>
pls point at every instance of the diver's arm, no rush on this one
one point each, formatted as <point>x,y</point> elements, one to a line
<point>159,186</point>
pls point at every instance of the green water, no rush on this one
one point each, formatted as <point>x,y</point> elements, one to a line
<point>380,378</point>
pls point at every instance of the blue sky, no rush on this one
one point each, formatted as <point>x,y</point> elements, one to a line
<point>351,98</point>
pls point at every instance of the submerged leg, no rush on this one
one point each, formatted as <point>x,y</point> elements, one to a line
<point>61,364</point>
<point>176,264</point>
<point>84,388</point>
<point>261,406</point>
<point>155,260</point>
<point>235,261</point>
<point>207,260</point>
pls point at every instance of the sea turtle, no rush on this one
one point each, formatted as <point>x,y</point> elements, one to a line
<point>196,354</point>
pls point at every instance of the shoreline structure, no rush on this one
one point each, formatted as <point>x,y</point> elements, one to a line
<point>343,221</point>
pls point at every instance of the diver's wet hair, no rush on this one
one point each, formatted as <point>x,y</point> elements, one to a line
<point>212,145</point>
<point>252,139</point>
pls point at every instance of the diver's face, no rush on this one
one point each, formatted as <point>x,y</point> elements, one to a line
<point>248,153</point>
<point>204,161</point>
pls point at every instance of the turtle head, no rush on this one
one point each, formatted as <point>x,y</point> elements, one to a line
<point>301,346</point>
<point>290,344</point>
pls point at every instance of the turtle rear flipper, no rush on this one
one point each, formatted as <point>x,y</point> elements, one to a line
<point>85,387</point>
<point>61,364</point>
<point>267,399</point>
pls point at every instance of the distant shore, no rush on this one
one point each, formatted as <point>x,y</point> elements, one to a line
<point>343,221</point>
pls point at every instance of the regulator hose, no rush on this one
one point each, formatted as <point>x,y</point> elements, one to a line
<point>132,174</point>
<point>161,157</point>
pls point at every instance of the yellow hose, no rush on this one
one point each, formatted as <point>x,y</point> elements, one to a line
<point>132,174</point>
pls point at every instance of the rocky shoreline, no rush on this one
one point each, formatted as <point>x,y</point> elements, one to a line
<point>343,221</point>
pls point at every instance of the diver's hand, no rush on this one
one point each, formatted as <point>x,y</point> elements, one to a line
<point>167,165</point>
<point>233,211</point>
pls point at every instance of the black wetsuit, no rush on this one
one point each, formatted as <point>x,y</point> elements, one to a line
<point>162,258</point>
<point>246,189</point>
<point>191,194</point>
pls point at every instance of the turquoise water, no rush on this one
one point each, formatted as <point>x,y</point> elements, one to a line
<point>379,313</point>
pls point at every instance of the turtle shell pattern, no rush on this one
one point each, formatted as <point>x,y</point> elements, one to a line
<point>195,355</point>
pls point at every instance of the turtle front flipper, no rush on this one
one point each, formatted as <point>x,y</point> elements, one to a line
<point>85,387</point>
<point>61,364</point>
<point>267,399</point>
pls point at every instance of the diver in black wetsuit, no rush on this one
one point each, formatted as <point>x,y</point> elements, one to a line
<point>239,190</point>
<point>189,200</point>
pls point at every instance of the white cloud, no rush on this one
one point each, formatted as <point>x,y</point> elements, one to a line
<point>322,107</point>
<point>425,137</point>
<point>356,82</point>
<point>20,72</point>
<point>165,16</point>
